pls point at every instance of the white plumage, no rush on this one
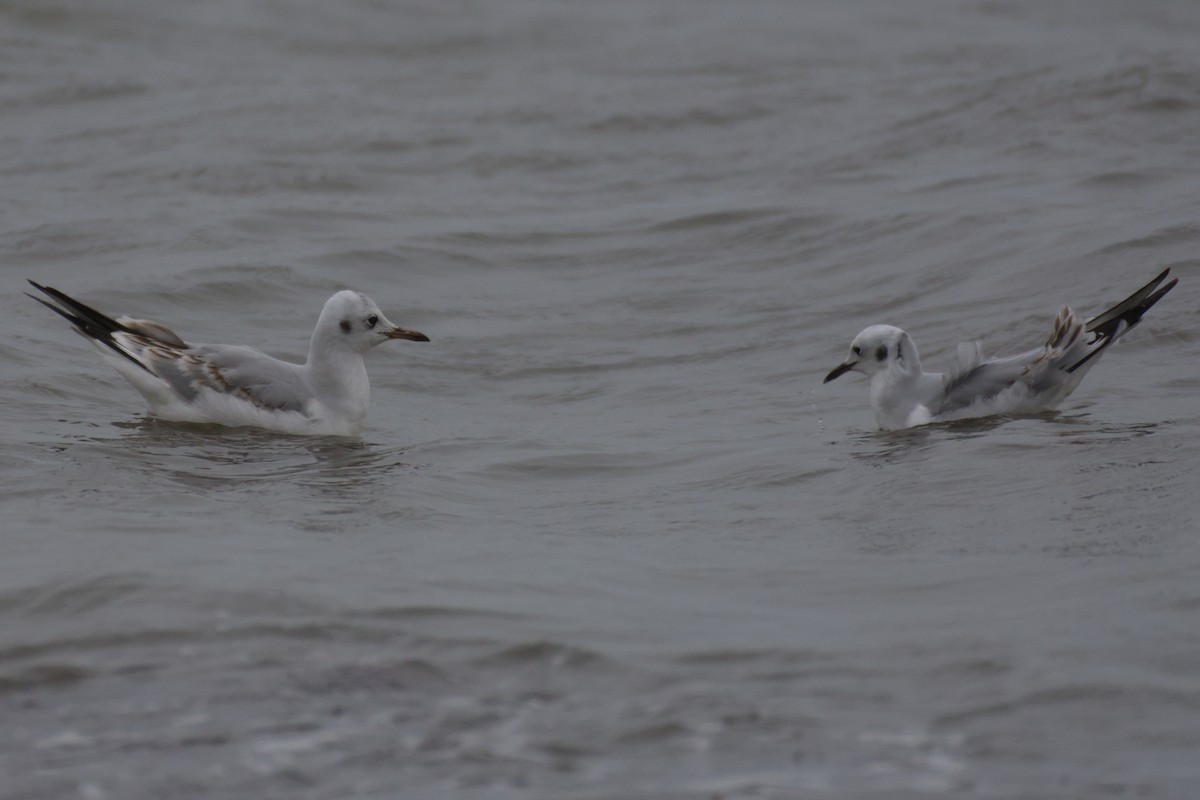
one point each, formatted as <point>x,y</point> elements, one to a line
<point>235,385</point>
<point>904,395</point>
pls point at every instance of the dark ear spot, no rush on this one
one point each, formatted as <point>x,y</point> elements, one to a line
<point>881,353</point>
<point>344,325</point>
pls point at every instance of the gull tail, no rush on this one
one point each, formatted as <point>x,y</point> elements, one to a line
<point>87,321</point>
<point>1108,326</point>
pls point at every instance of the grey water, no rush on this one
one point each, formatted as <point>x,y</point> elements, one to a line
<point>606,535</point>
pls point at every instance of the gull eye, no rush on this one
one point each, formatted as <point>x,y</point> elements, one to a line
<point>856,350</point>
<point>372,321</point>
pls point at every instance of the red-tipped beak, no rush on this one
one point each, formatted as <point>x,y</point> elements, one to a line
<point>405,333</point>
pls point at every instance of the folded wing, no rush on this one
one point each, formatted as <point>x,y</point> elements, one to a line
<point>242,372</point>
<point>1043,376</point>
<point>185,370</point>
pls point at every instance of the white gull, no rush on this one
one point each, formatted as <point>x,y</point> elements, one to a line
<point>237,385</point>
<point>904,395</point>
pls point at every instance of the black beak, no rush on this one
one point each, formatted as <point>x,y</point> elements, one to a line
<point>405,333</point>
<point>839,370</point>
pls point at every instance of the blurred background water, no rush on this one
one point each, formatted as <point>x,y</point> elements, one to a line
<point>607,535</point>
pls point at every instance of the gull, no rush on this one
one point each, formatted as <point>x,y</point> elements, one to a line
<point>904,395</point>
<point>236,385</point>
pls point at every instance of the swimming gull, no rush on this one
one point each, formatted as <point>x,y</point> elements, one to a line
<point>904,395</point>
<point>237,385</point>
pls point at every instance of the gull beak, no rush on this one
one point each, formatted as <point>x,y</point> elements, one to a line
<point>844,367</point>
<point>404,333</point>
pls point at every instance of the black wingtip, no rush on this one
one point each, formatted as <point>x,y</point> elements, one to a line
<point>1143,298</point>
<point>1114,323</point>
<point>85,319</point>
<point>52,307</point>
<point>88,319</point>
<point>1154,298</point>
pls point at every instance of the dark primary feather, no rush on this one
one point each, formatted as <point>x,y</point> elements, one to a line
<point>87,320</point>
<point>1108,326</point>
<point>976,379</point>
<point>227,369</point>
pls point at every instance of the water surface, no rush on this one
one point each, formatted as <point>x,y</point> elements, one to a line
<point>607,535</point>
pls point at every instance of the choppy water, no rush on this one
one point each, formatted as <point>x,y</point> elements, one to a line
<point>606,536</point>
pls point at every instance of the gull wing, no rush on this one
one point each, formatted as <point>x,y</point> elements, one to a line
<point>242,372</point>
<point>101,328</point>
<point>975,379</point>
<point>180,368</point>
<point>1052,370</point>
<point>1108,326</point>
<point>1069,351</point>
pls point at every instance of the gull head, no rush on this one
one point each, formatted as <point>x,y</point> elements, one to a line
<point>879,348</point>
<point>351,320</point>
